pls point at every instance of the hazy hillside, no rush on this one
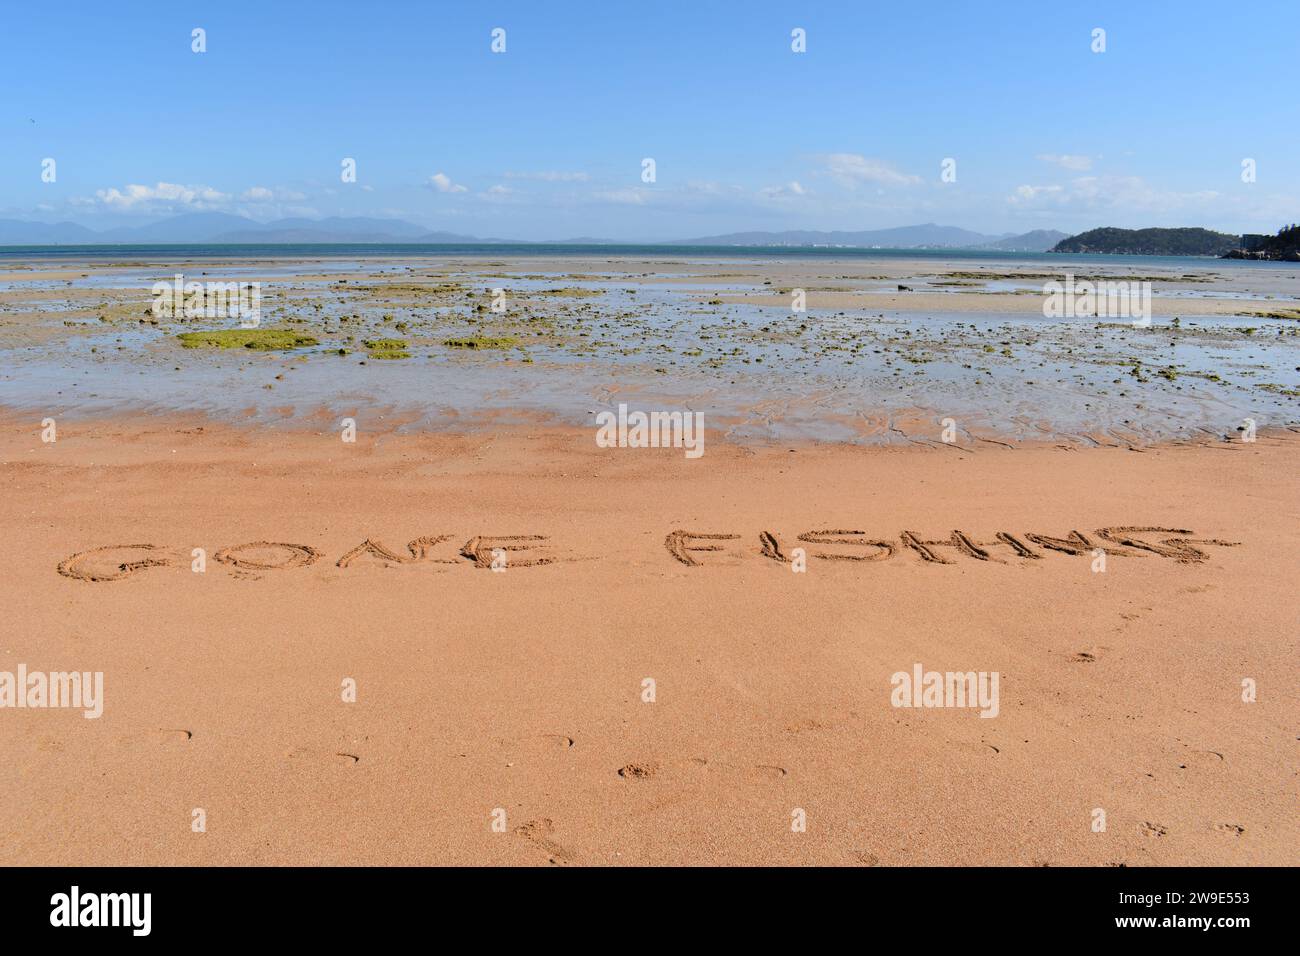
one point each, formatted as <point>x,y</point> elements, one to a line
<point>901,237</point>
<point>1039,240</point>
<point>223,227</point>
<point>1150,242</point>
<point>16,232</point>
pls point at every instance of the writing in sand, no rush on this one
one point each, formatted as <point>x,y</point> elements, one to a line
<point>116,562</point>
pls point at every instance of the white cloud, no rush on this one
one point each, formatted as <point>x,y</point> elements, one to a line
<point>627,196</point>
<point>1031,193</point>
<point>1078,164</point>
<point>1118,193</point>
<point>135,196</point>
<point>162,198</point>
<point>852,169</point>
<point>694,198</point>
<point>792,188</point>
<point>443,184</point>
<point>550,176</point>
<point>261,194</point>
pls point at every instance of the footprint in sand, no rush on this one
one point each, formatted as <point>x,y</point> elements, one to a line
<point>340,757</point>
<point>981,748</point>
<point>538,833</point>
<point>700,767</point>
<point>538,743</point>
<point>1231,829</point>
<point>1089,655</point>
<point>533,747</point>
<point>1138,856</point>
<point>1200,760</point>
<point>805,725</point>
<point>638,771</point>
<point>168,737</point>
<point>1153,830</point>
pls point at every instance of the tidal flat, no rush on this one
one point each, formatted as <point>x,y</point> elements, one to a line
<point>881,352</point>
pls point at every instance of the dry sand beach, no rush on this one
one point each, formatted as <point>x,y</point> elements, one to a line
<point>524,689</point>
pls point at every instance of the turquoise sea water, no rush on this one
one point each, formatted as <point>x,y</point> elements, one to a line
<point>517,249</point>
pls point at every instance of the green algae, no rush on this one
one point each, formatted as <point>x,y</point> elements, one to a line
<point>482,342</point>
<point>259,339</point>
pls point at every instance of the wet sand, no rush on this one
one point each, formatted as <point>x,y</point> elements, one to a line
<point>867,362</point>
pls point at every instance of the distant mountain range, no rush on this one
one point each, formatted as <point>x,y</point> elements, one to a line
<point>927,236</point>
<point>215,227</point>
<point>1040,240</point>
<point>218,227</point>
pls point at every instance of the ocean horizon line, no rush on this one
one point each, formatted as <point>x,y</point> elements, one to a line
<point>545,248</point>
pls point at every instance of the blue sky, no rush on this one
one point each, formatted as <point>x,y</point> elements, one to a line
<point>546,140</point>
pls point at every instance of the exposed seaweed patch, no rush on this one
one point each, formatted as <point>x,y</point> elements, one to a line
<point>260,339</point>
<point>386,348</point>
<point>482,342</point>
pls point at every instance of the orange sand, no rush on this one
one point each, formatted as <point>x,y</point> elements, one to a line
<point>522,690</point>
